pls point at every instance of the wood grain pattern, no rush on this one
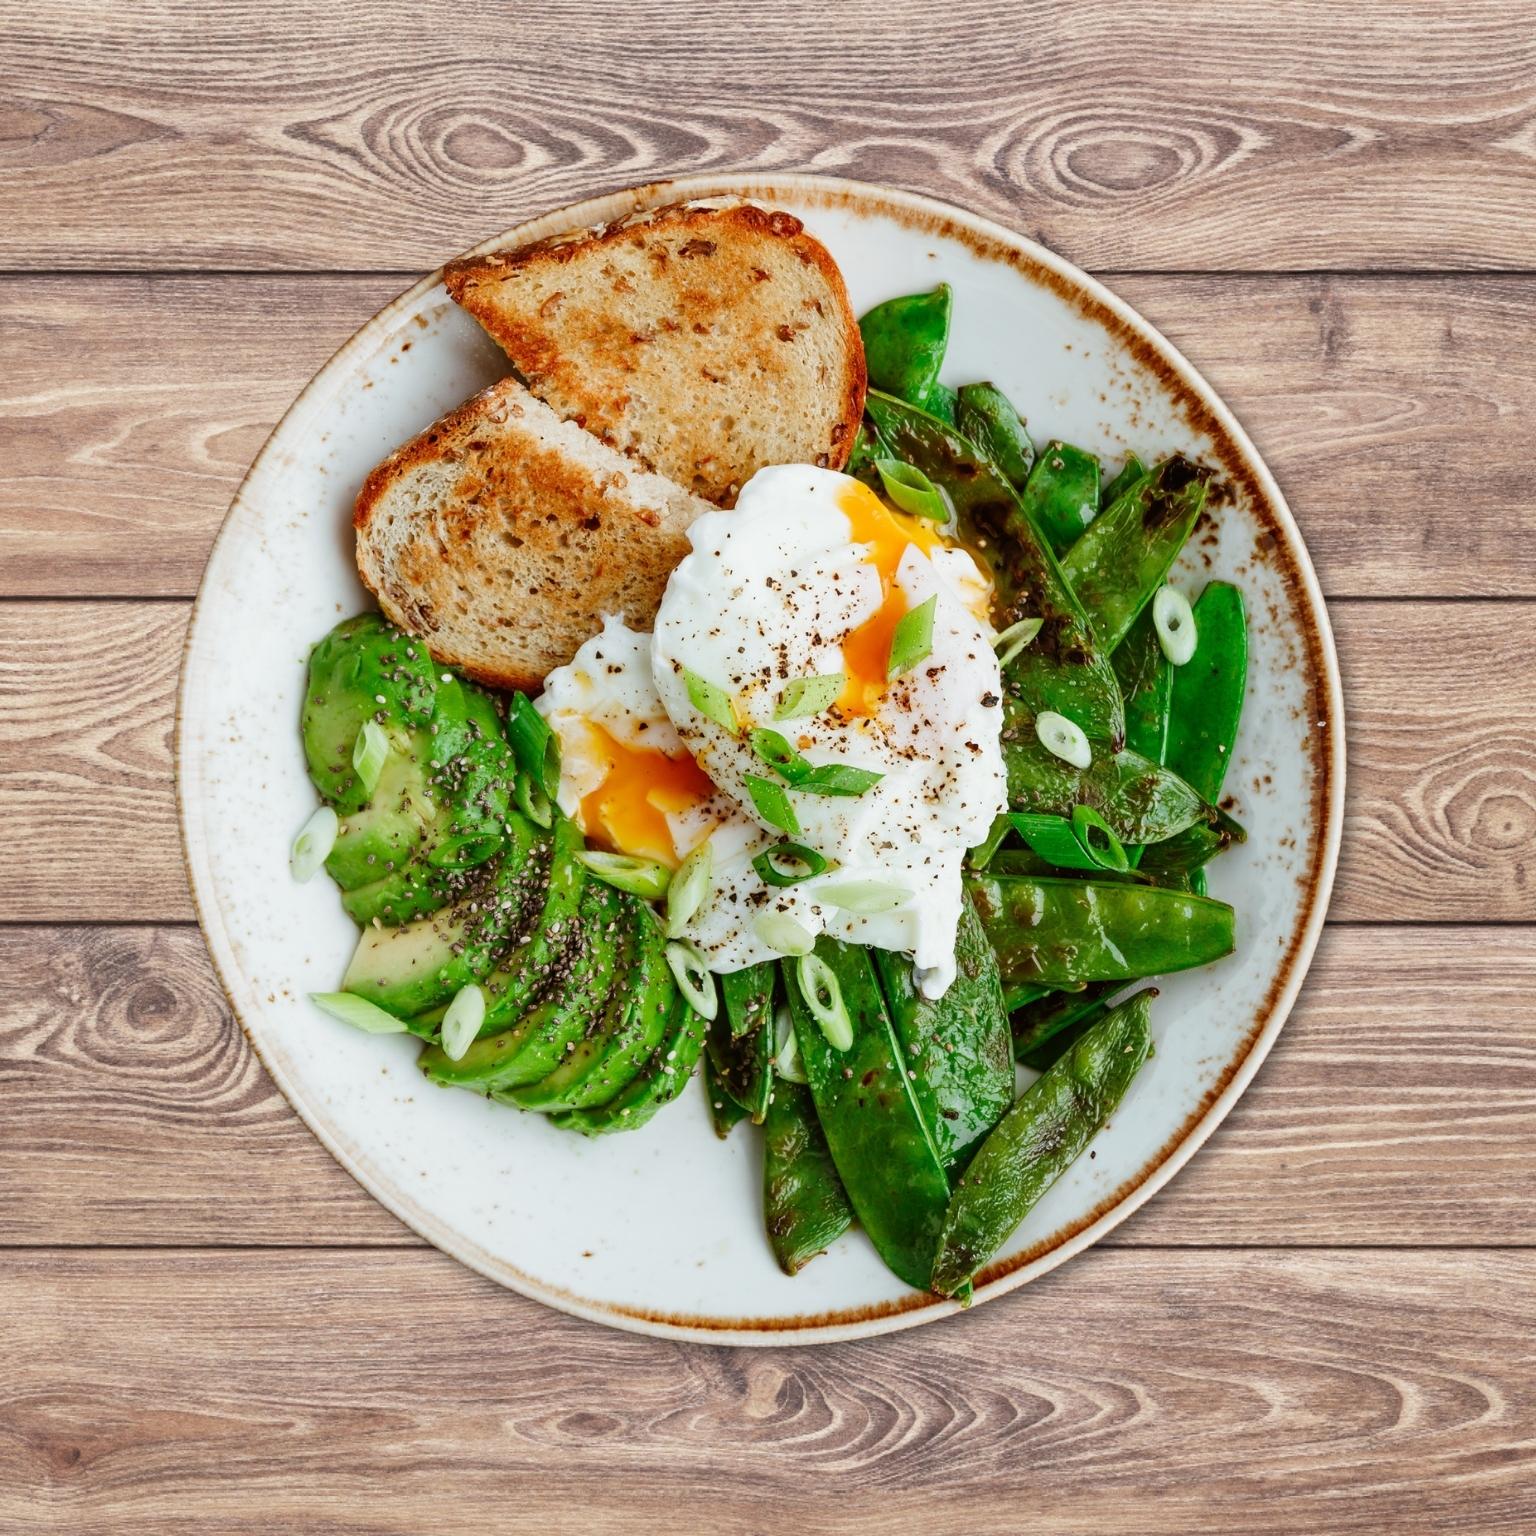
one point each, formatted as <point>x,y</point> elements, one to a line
<point>1441,808</point>
<point>135,1113</point>
<point>1395,415</point>
<point>1160,1393</point>
<point>1177,136</point>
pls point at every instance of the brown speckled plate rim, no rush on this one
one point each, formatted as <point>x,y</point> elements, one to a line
<point>1205,412</point>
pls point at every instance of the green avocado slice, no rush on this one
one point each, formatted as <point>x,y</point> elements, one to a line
<point>579,988</point>
<point>662,1078</point>
<point>604,1063</point>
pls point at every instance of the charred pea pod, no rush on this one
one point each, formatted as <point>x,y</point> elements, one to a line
<point>1207,701</point>
<point>1062,669</point>
<point>1141,802</point>
<point>1039,1139</point>
<point>1061,496</point>
<point>1040,1025</point>
<point>985,415</point>
<point>868,1109</point>
<point>1130,472</point>
<point>741,1040</point>
<point>725,1114</point>
<point>904,343</point>
<point>1122,558</point>
<point>958,1045</point>
<point>1174,861</point>
<point>805,1207</point>
<point>1146,684</point>
<point>1060,932</point>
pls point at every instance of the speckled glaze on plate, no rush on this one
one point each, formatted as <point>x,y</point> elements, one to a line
<point>660,1232</point>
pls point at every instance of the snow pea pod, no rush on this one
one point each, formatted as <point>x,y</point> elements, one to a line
<point>868,1109</point>
<point>805,1207</point>
<point>1146,684</point>
<point>1058,933</point>
<point>740,1041</point>
<point>1208,691</point>
<point>1061,496</point>
<point>958,1045</point>
<point>1141,802</point>
<point>1130,472</point>
<point>1041,1027</point>
<point>904,343</point>
<point>1063,668</point>
<point>1176,859</point>
<point>986,415</point>
<point>1122,558</point>
<point>1039,1139</point>
<point>725,1114</point>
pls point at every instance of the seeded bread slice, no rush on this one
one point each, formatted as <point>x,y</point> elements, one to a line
<point>703,341</point>
<point>502,535</point>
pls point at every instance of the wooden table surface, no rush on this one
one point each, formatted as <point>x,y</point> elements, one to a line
<point>1326,1323</point>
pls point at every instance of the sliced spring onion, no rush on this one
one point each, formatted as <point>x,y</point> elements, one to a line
<point>912,490</point>
<point>693,979</point>
<point>532,801</point>
<point>461,1023</point>
<point>312,847</point>
<point>1015,638</point>
<point>786,1057</point>
<point>824,999</point>
<point>864,898</point>
<point>689,889</point>
<point>1098,839</point>
<point>1052,838</point>
<point>711,701</point>
<point>806,696</point>
<point>468,851</point>
<point>1174,621</point>
<point>840,779</point>
<point>775,750</point>
<point>647,878</point>
<point>789,864</point>
<point>535,746</point>
<point>369,753</point>
<point>981,855</point>
<point>912,641</point>
<point>783,935</point>
<point>772,804</point>
<point>358,1012</point>
<point>1063,738</point>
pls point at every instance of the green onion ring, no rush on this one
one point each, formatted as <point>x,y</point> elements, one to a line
<point>693,978</point>
<point>806,696</point>
<point>1110,854</point>
<point>771,863</point>
<point>689,888</point>
<point>711,701</point>
<point>912,490</point>
<point>1063,738</point>
<point>864,898</point>
<point>1013,639</point>
<point>312,847</point>
<point>646,878</point>
<point>535,746</point>
<point>1174,621</point>
<point>358,1012</point>
<point>912,640</point>
<point>772,803</point>
<point>783,935</point>
<point>369,753</point>
<point>824,1000</point>
<point>462,1021</point>
<point>786,1057</point>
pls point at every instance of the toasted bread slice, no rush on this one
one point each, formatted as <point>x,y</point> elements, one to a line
<point>703,341</point>
<point>502,535</point>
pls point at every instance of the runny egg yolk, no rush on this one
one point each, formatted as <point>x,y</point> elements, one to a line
<point>627,812</point>
<point>867,649</point>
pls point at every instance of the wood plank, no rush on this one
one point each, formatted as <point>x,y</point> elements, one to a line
<point>1160,1393</point>
<point>1440,821</point>
<point>1393,413</point>
<point>1181,136</point>
<point>136,1114</point>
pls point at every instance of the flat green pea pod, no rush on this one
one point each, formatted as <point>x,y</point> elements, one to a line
<point>904,343</point>
<point>1041,1024</point>
<point>869,1111</point>
<point>365,669</point>
<point>1130,472</point>
<point>805,1207</point>
<point>740,1041</point>
<point>1061,496</point>
<point>1146,684</point>
<point>1141,802</point>
<point>1208,691</point>
<point>1122,558</point>
<point>1173,861</point>
<point>958,1045</point>
<point>1044,1133</point>
<point>1063,668</point>
<point>1060,933</point>
<point>725,1114</point>
<point>986,415</point>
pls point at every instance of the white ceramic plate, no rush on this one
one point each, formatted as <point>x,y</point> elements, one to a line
<point>660,1231</point>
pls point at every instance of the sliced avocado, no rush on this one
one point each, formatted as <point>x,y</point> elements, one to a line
<point>524,968</point>
<point>609,1058</point>
<point>365,669</point>
<point>662,1078</point>
<point>415,967</point>
<point>572,1004</point>
<point>378,839</point>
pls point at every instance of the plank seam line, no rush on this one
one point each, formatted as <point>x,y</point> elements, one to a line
<point>412,1245</point>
